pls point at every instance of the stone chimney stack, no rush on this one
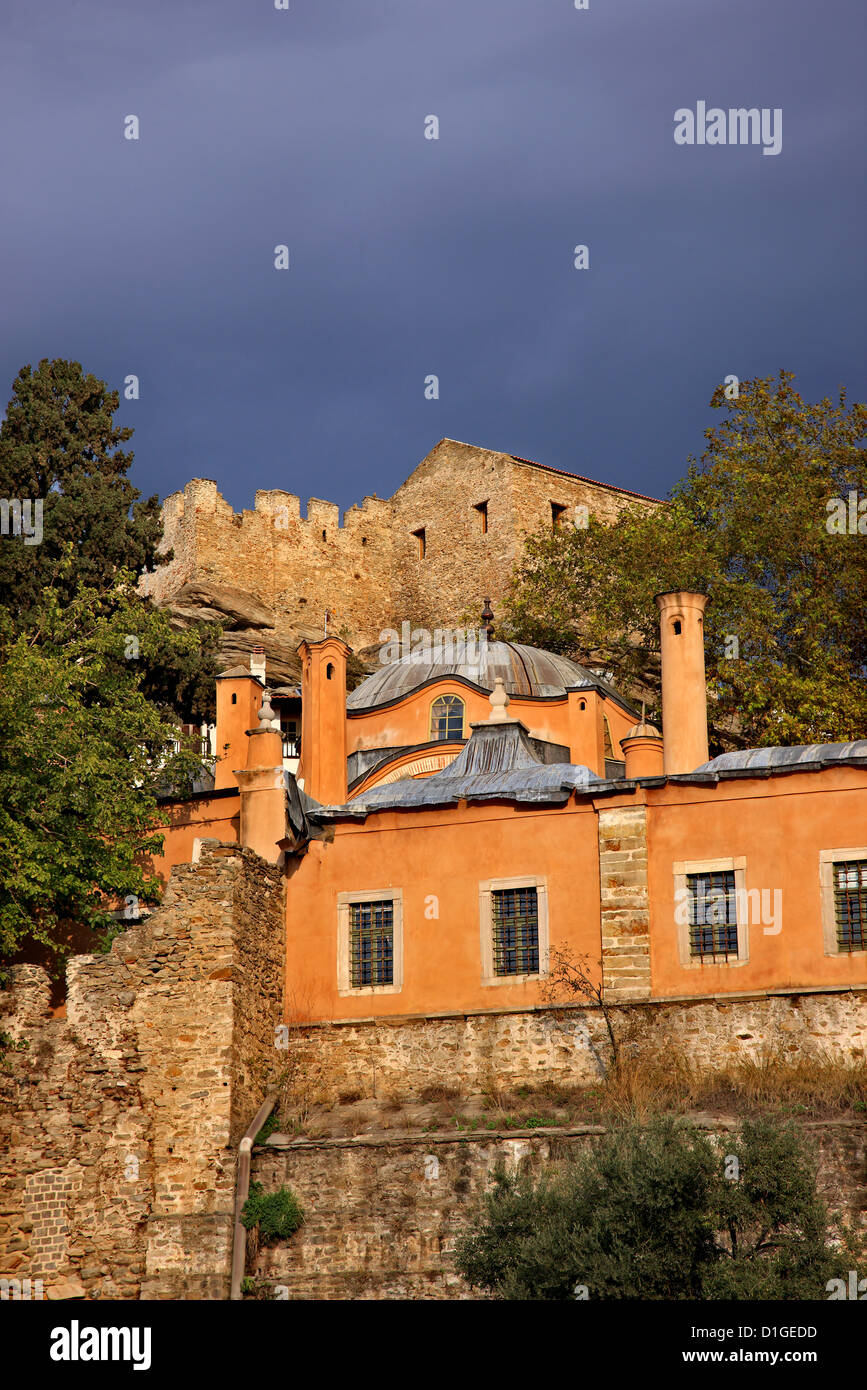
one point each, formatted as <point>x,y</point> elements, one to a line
<point>684,692</point>
<point>322,770</point>
<point>262,785</point>
<point>257,664</point>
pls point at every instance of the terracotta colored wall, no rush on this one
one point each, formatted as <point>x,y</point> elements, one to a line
<point>447,854</point>
<point>233,721</point>
<point>207,817</point>
<point>408,722</point>
<point>779,825</point>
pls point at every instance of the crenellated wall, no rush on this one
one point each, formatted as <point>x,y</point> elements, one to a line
<point>367,569</point>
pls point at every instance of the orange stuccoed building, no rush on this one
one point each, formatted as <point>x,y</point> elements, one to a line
<point>476,807</point>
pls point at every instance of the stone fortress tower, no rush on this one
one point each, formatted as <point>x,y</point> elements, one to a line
<point>452,531</point>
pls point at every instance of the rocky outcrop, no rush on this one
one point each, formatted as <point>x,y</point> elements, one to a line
<point>219,603</point>
<point>249,623</point>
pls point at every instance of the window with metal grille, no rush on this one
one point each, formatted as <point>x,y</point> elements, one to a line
<point>713,918</point>
<point>515,918</point>
<point>447,718</point>
<point>371,943</point>
<point>850,905</point>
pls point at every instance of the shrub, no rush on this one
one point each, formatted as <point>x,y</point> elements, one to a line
<point>277,1214</point>
<point>656,1213</point>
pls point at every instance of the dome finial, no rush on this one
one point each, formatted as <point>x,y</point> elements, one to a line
<point>267,717</point>
<point>499,702</point>
<point>488,620</point>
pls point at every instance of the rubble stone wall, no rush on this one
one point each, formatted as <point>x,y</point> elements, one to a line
<point>382,1215</point>
<point>119,1122</point>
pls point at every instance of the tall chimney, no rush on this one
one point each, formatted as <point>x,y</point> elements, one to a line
<point>684,693</point>
<point>323,720</point>
<point>239,695</point>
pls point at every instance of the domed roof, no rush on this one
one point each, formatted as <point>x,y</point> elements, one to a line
<point>526,671</point>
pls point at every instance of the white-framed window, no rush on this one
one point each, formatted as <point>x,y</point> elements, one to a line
<point>370,942</point>
<point>711,912</point>
<point>843,888</point>
<point>513,921</point>
<point>447,718</point>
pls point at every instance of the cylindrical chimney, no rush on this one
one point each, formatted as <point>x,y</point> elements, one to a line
<point>643,751</point>
<point>323,720</point>
<point>684,693</point>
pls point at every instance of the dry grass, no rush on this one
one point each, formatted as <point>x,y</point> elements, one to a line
<point>818,1086</point>
<point>431,1094</point>
<point>642,1084</point>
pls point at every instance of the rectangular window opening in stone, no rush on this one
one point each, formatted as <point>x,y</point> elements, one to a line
<point>515,921</point>
<point>557,513</point>
<point>422,542</point>
<point>713,922</point>
<point>481,508</point>
<point>850,904</point>
<point>371,943</point>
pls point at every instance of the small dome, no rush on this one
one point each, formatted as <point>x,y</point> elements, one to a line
<point>643,730</point>
<point>524,671</point>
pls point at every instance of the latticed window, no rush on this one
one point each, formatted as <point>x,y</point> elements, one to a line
<point>850,904</point>
<point>447,718</point>
<point>515,921</point>
<point>713,918</point>
<point>371,943</point>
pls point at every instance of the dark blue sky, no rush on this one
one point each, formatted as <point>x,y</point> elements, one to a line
<point>411,256</point>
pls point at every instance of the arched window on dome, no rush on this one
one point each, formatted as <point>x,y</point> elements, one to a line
<point>446,718</point>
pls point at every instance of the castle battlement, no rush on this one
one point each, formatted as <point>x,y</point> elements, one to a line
<point>450,535</point>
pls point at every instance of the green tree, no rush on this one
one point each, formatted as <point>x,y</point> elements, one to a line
<point>59,443</point>
<point>751,525</point>
<point>60,447</point>
<point>661,1212</point>
<point>84,756</point>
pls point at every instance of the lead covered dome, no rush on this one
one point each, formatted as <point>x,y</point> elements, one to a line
<point>524,671</point>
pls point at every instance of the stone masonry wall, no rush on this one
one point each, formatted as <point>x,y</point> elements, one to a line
<point>382,1215</point>
<point>624,903</point>
<point>367,569</point>
<point>403,1056</point>
<point>118,1123</point>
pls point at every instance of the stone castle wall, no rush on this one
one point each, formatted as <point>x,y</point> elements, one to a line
<point>399,1057</point>
<point>120,1121</point>
<point>366,568</point>
<point>382,1215</point>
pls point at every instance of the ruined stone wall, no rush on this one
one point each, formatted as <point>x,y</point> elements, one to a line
<point>462,564</point>
<point>533,489</point>
<point>119,1121</point>
<point>398,1057</point>
<point>367,570</point>
<point>382,1215</point>
<point>295,566</point>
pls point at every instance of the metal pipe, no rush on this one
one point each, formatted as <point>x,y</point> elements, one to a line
<point>242,1192</point>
